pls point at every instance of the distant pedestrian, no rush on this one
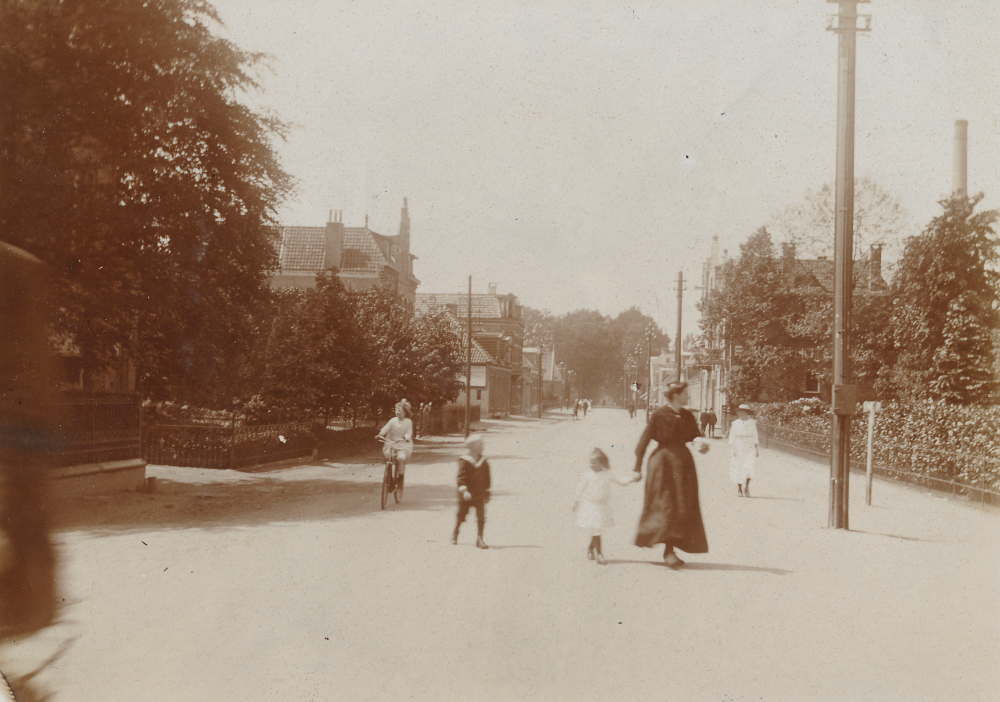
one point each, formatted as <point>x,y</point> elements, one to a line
<point>473,487</point>
<point>631,410</point>
<point>576,409</point>
<point>586,405</point>
<point>592,510</point>
<point>708,421</point>
<point>743,450</point>
<point>671,513</point>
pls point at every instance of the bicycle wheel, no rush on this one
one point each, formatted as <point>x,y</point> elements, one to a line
<point>386,479</point>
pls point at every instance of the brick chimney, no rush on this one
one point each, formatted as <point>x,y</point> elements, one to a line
<point>334,240</point>
<point>788,258</point>
<point>875,264</point>
<point>960,161</point>
<point>404,242</point>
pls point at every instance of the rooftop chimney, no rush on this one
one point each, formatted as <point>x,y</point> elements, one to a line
<point>960,172</point>
<point>788,258</point>
<point>334,241</point>
<point>493,288</point>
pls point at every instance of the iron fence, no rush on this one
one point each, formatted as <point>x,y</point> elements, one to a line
<point>207,446</point>
<point>97,428</point>
<point>975,476</point>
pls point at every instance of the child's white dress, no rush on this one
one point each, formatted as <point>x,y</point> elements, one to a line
<point>592,493</point>
<point>743,455</point>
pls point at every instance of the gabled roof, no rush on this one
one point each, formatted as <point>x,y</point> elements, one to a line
<point>819,272</point>
<point>480,356</point>
<point>484,306</point>
<point>303,249</point>
<point>362,251</point>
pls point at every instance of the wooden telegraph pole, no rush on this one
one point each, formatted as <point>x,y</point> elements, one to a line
<point>468,367</point>
<point>680,312</point>
<point>845,23</point>
<point>649,371</point>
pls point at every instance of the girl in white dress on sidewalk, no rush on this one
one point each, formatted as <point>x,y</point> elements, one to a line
<point>592,493</point>
<point>743,450</point>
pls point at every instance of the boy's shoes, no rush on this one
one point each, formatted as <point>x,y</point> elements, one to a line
<point>480,543</point>
<point>454,537</point>
<point>600,559</point>
<point>590,555</point>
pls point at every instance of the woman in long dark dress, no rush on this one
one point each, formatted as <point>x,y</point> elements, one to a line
<point>671,513</point>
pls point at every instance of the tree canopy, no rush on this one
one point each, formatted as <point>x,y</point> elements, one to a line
<point>129,164</point>
<point>879,219</point>
<point>945,314</point>
<point>594,346</point>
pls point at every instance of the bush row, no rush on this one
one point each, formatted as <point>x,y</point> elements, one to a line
<point>936,439</point>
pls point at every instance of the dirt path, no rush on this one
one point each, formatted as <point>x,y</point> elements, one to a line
<point>294,585</point>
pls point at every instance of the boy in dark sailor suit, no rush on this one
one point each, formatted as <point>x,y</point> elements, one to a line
<point>473,487</point>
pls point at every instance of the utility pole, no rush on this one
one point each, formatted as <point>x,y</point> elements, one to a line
<point>541,376</point>
<point>649,374</point>
<point>468,367</point>
<point>845,23</point>
<point>680,311</point>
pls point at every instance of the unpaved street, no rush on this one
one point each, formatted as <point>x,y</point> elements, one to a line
<point>293,585</point>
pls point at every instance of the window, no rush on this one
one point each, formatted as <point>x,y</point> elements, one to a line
<point>479,394</point>
<point>812,384</point>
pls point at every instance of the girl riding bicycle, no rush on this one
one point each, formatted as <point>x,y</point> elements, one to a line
<point>398,433</point>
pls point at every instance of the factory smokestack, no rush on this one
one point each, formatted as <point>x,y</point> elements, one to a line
<point>960,174</point>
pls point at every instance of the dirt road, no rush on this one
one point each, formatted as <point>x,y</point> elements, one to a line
<point>294,585</point>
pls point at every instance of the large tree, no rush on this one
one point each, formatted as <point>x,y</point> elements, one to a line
<point>879,220</point>
<point>780,332</point>
<point>314,354</point>
<point>945,314</point>
<point>130,164</point>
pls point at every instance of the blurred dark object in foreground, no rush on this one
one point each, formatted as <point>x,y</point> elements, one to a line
<point>27,438</point>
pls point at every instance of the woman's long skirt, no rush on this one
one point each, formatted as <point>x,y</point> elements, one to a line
<point>671,513</point>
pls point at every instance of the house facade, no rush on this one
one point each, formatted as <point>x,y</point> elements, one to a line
<point>810,276</point>
<point>498,330</point>
<point>361,257</point>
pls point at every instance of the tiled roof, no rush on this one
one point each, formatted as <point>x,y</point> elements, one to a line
<point>361,254</point>
<point>821,270</point>
<point>809,272</point>
<point>483,306</point>
<point>303,248</point>
<point>480,356</point>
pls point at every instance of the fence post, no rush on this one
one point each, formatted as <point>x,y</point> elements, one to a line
<point>232,443</point>
<point>871,408</point>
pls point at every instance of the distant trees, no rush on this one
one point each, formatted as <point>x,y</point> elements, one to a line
<point>130,165</point>
<point>594,346</point>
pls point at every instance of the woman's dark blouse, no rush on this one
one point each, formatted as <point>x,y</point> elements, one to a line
<point>668,427</point>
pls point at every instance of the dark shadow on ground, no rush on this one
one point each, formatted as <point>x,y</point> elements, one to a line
<point>253,501</point>
<point>707,566</point>
<point>423,454</point>
<point>769,497</point>
<point>897,536</point>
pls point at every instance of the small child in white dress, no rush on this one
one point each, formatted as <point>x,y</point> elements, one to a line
<point>592,493</point>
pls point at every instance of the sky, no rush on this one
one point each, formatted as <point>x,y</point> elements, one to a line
<point>580,154</point>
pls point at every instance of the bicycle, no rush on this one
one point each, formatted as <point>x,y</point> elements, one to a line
<point>389,483</point>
